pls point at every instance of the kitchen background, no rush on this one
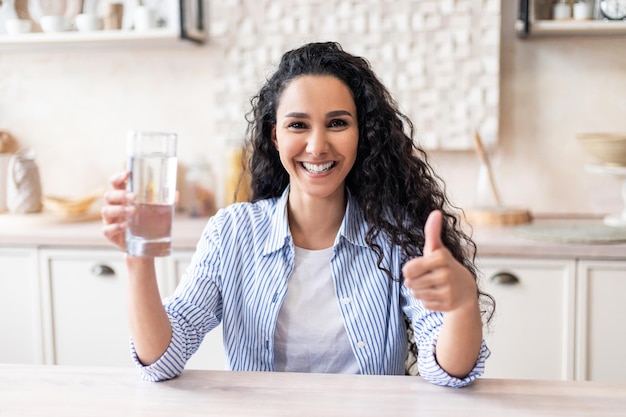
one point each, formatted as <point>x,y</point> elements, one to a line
<point>73,105</point>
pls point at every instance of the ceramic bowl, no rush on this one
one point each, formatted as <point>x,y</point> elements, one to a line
<point>51,24</point>
<point>606,148</point>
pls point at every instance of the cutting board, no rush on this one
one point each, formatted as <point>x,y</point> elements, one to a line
<point>497,216</point>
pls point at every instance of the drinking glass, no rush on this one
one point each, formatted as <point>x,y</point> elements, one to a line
<point>152,164</point>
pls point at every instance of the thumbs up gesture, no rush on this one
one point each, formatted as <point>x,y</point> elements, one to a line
<point>437,278</point>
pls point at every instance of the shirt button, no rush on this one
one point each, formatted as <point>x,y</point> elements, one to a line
<point>360,344</point>
<point>345,300</point>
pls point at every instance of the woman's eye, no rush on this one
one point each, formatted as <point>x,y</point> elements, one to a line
<point>296,125</point>
<point>337,123</point>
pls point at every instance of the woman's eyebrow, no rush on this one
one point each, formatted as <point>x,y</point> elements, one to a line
<point>333,113</point>
<point>298,115</point>
<point>336,113</point>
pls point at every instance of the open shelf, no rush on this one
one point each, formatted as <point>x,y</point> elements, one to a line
<point>186,24</point>
<point>527,25</point>
<point>101,37</point>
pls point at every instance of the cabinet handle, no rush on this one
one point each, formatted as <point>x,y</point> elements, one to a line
<point>102,270</point>
<point>504,278</point>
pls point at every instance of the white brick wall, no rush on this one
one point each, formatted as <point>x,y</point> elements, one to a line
<point>439,58</point>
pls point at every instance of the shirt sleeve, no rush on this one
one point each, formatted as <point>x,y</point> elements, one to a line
<point>426,328</point>
<point>194,309</point>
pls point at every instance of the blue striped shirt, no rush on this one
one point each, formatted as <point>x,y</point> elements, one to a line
<point>238,276</point>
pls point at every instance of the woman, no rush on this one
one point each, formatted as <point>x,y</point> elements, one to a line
<point>347,238</point>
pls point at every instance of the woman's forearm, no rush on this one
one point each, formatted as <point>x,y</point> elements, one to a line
<point>149,325</point>
<point>459,342</point>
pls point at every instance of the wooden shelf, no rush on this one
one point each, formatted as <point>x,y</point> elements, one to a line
<point>156,37</point>
<point>571,27</point>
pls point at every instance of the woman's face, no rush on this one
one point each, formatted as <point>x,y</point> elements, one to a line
<point>316,135</point>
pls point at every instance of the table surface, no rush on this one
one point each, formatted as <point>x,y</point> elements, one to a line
<point>38,390</point>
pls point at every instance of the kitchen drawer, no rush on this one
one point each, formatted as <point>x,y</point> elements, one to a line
<point>532,333</point>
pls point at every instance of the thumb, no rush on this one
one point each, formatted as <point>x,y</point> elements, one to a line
<point>432,232</point>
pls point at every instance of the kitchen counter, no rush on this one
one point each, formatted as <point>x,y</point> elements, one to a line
<point>491,241</point>
<point>37,390</point>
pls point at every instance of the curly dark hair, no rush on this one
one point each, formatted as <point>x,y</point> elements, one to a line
<point>391,179</point>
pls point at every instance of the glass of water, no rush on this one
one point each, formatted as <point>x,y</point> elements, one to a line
<point>152,164</point>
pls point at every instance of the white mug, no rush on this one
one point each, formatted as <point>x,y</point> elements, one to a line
<point>145,18</point>
<point>87,22</point>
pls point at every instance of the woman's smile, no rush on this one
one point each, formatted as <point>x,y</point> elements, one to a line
<point>318,168</point>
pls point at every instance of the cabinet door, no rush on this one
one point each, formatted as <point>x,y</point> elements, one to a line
<point>531,335</point>
<point>601,332</point>
<point>20,326</point>
<point>85,294</point>
<point>211,353</point>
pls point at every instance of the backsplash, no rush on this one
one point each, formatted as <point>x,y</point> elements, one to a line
<point>440,59</point>
<point>74,105</point>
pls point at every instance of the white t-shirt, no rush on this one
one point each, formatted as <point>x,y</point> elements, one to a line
<point>310,335</point>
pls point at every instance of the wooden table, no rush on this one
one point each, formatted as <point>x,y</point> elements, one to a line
<point>40,390</point>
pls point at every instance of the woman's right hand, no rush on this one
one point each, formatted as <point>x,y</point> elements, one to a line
<point>116,209</point>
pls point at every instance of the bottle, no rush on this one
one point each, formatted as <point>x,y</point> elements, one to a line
<point>238,179</point>
<point>583,10</point>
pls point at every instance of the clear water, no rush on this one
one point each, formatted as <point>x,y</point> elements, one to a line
<point>153,180</point>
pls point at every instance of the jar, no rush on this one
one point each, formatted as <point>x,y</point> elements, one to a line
<point>200,186</point>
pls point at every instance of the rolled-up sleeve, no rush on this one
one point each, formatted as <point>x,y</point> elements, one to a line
<point>426,328</point>
<point>193,310</point>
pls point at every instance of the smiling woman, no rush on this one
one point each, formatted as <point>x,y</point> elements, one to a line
<point>349,238</point>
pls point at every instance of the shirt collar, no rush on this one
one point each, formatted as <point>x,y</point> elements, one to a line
<point>280,233</point>
<point>353,227</point>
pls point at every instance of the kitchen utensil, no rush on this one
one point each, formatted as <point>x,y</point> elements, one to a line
<point>498,214</point>
<point>484,159</point>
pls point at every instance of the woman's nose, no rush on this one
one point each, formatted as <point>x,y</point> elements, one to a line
<point>317,143</point>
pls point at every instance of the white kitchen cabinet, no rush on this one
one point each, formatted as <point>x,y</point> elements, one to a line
<point>19,307</point>
<point>85,305</point>
<point>601,331</point>
<point>211,353</point>
<point>532,333</point>
<point>84,299</point>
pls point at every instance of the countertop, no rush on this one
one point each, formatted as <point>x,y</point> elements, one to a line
<point>44,231</point>
<point>38,390</point>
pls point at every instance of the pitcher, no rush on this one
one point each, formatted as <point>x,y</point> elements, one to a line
<point>24,184</point>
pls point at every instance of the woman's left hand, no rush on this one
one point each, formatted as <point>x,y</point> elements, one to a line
<point>437,278</point>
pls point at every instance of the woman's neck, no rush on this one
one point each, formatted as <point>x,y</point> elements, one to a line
<point>314,222</point>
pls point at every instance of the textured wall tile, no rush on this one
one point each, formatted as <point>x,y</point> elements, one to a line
<point>439,58</point>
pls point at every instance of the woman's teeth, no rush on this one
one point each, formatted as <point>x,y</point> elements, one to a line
<point>317,168</point>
